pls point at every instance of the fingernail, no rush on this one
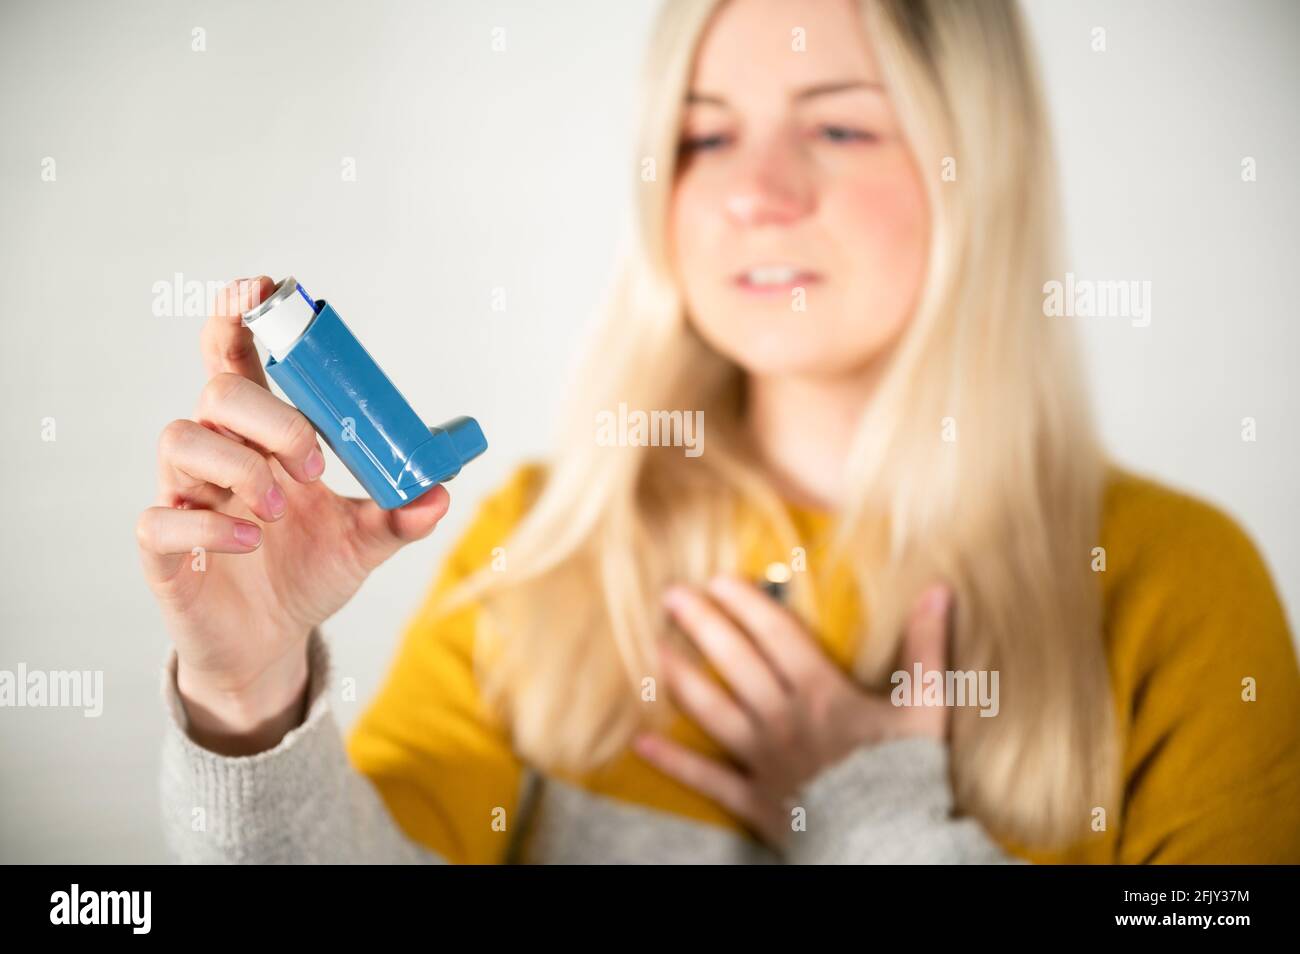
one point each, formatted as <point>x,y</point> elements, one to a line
<point>644,743</point>
<point>673,597</point>
<point>314,465</point>
<point>248,534</point>
<point>275,501</point>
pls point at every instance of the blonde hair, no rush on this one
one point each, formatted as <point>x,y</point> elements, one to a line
<point>1007,514</point>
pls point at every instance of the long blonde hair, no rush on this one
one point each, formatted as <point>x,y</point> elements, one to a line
<point>1007,514</point>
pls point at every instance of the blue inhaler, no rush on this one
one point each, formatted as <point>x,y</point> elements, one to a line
<point>328,376</point>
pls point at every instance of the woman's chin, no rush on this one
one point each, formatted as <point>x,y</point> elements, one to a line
<point>797,358</point>
<point>801,346</point>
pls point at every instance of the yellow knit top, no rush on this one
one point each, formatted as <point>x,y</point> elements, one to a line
<point>1190,613</point>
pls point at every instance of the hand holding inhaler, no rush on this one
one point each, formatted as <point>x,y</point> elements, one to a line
<point>333,380</point>
<point>245,548</point>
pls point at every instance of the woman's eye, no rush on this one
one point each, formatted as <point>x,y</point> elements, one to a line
<point>830,133</point>
<point>703,143</point>
<point>844,134</point>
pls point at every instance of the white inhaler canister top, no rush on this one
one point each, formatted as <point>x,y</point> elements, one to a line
<point>279,321</point>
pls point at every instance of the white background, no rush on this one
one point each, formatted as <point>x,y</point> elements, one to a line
<point>479,170</point>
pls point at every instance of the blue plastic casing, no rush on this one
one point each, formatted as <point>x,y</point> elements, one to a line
<point>364,419</point>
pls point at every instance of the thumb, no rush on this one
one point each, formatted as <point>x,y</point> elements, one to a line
<point>926,639</point>
<point>926,642</point>
<point>383,532</point>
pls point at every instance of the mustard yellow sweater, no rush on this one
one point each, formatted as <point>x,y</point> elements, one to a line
<point>1190,612</point>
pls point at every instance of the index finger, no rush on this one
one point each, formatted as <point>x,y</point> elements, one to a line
<point>778,633</point>
<point>227,344</point>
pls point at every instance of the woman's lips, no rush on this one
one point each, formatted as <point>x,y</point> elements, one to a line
<point>768,282</point>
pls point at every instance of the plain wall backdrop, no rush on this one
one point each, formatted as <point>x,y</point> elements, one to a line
<point>482,172</point>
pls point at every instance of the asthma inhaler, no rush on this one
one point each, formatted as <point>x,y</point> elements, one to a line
<point>328,376</point>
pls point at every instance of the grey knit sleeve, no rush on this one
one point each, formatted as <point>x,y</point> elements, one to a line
<point>889,804</point>
<point>300,802</point>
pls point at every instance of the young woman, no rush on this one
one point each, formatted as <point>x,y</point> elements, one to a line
<point>846,223</point>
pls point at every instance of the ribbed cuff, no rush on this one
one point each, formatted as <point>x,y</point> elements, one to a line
<point>318,674</point>
<point>220,807</point>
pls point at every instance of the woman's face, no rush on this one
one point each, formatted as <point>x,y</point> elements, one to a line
<point>799,223</point>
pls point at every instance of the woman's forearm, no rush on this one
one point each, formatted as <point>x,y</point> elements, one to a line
<point>299,801</point>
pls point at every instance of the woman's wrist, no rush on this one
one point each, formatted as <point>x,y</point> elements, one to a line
<point>251,719</point>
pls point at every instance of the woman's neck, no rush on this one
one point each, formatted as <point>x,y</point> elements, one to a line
<point>802,430</point>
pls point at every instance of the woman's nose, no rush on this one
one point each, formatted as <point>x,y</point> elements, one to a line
<point>772,187</point>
